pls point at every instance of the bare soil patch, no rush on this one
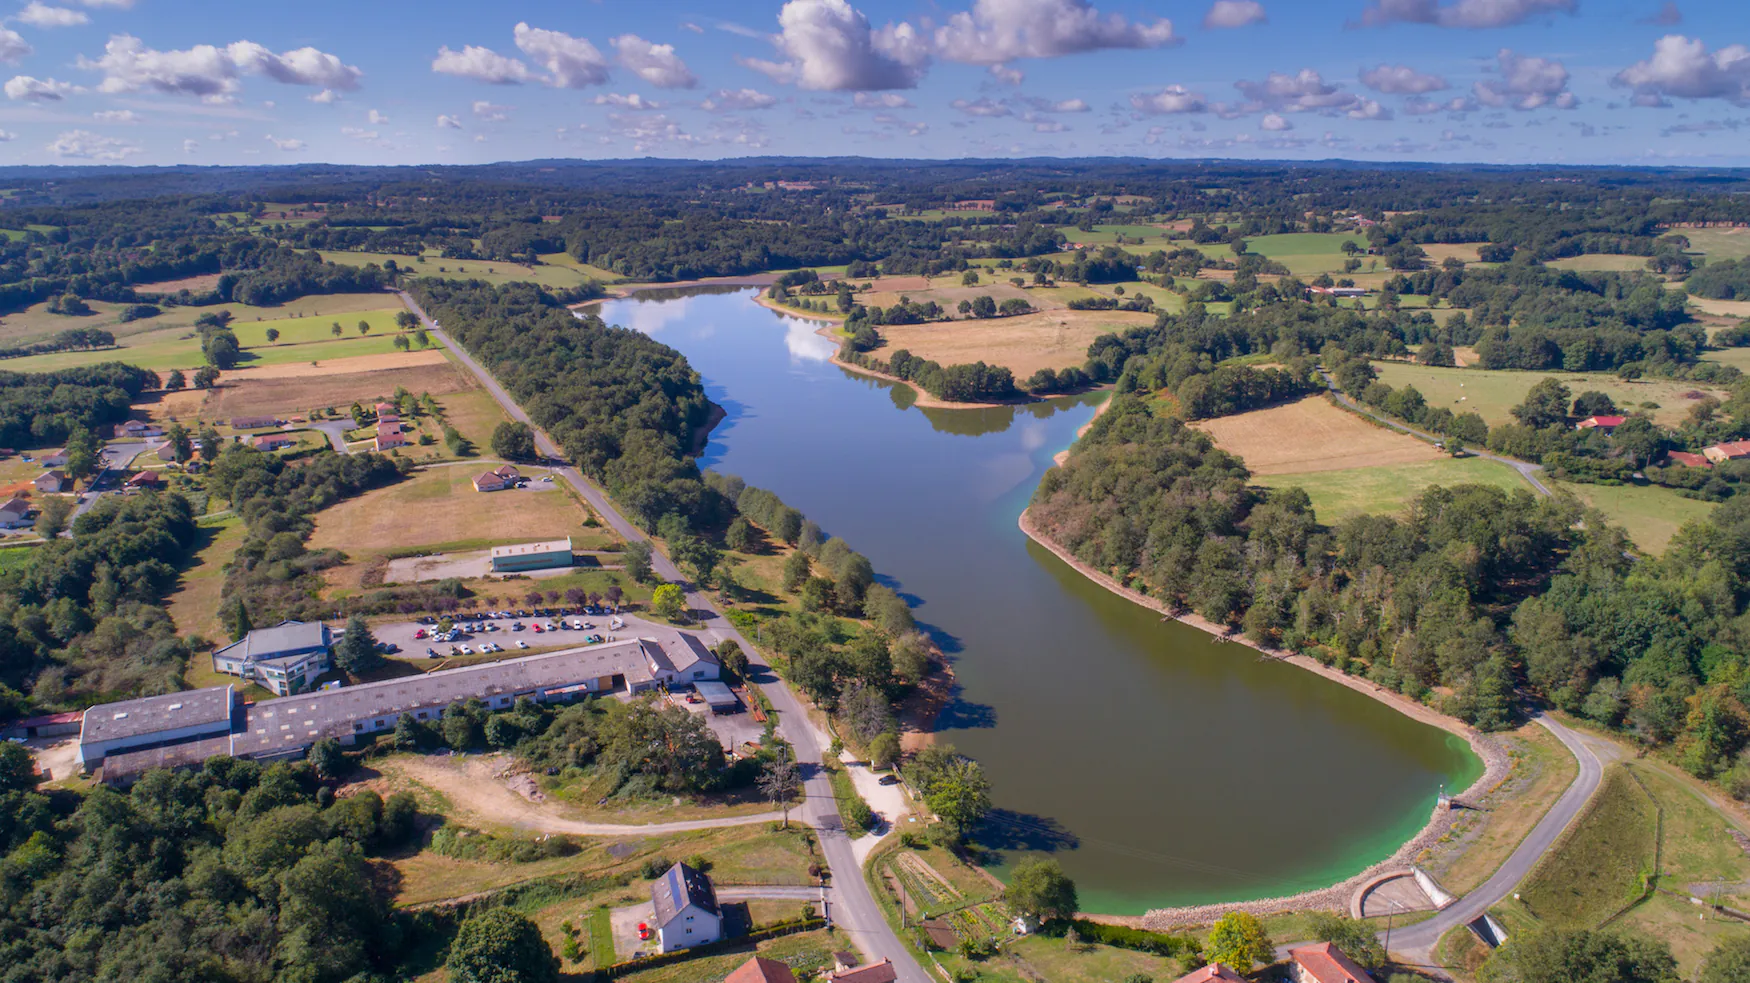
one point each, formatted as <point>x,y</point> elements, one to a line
<point>1311,435</point>
<point>160,406</point>
<point>330,366</point>
<point>196,284</point>
<point>1023,344</point>
<point>250,395</point>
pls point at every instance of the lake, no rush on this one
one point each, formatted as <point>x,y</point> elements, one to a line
<point>1162,766</point>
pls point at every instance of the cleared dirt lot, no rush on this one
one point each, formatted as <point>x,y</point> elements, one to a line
<point>1024,344</point>
<point>241,394</point>
<point>440,505</point>
<point>1311,435</point>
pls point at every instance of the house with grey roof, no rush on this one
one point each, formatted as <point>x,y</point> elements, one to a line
<point>285,659</point>
<point>686,909</point>
<point>15,514</point>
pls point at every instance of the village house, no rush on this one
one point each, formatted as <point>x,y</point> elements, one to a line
<point>759,969</point>
<point>491,481</point>
<point>15,514</point>
<point>145,479</point>
<point>51,481</point>
<point>384,409</point>
<point>1324,963</point>
<point>273,441</point>
<point>1212,973</point>
<point>1608,424</point>
<point>286,658</point>
<point>138,428</point>
<point>1687,460</point>
<point>390,435</point>
<point>686,909</point>
<point>1730,450</point>
<point>53,459</point>
<point>881,972</point>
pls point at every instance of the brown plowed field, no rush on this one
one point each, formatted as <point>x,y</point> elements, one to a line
<point>1311,435</point>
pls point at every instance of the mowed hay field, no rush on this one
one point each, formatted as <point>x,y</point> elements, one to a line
<point>239,394</point>
<point>1649,514</point>
<point>1492,393</point>
<point>1023,344</point>
<point>1301,252</point>
<point>1600,263</point>
<point>1717,243</point>
<point>495,272</point>
<point>440,505</point>
<point>1311,435</point>
<point>1386,489</point>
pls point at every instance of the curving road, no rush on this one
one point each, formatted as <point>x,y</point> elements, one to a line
<point>849,904</point>
<point>1415,943</point>
<point>1526,470</point>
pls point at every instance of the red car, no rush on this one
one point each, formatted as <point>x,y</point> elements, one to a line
<point>538,628</point>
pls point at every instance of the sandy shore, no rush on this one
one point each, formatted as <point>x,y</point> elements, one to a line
<point>1496,764</point>
<point>1063,455</point>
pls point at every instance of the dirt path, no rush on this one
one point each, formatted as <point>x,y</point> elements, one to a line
<point>479,788</point>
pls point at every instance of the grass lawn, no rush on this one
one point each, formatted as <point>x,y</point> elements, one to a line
<point>1481,840</point>
<point>440,505</point>
<point>1600,262</point>
<point>1106,235</point>
<point>803,952</point>
<point>1302,252</point>
<point>1492,393</point>
<point>194,605</point>
<point>1051,959</point>
<point>1601,863</point>
<point>1337,495</point>
<point>495,272</point>
<point>594,272</point>
<point>1650,514</point>
<point>298,330</point>
<point>1718,243</point>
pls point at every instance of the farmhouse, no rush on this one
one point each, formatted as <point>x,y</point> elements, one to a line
<point>759,969</point>
<point>1324,963</point>
<point>1688,460</point>
<point>385,409</point>
<point>881,972</point>
<point>686,909</point>
<point>489,481</point>
<point>286,658</point>
<point>153,721</point>
<point>53,459</point>
<point>15,514</point>
<point>145,479</point>
<point>51,481</point>
<point>273,441</point>
<point>389,435</point>
<point>138,428</point>
<point>1730,450</point>
<point>532,556</point>
<point>1608,424</point>
<point>1212,973</point>
<point>287,726</point>
<point>253,422</point>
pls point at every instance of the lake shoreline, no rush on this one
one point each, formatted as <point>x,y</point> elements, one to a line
<point>1496,765</point>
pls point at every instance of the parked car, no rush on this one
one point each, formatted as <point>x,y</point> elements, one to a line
<point>432,654</point>
<point>465,650</point>
<point>539,629</point>
<point>521,644</point>
<point>420,633</point>
<point>889,780</point>
<point>517,627</point>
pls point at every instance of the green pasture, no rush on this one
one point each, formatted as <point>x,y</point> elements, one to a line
<point>1600,263</point>
<point>1304,253</point>
<point>1386,489</point>
<point>316,327</point>
<point>1718,243</point>
<point>1651,515</point>
<point>1492,393</point>
<point>495,272</point>
<point>1107,235</point>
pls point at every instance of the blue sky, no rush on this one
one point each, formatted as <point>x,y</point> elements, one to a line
<point>386,81</point>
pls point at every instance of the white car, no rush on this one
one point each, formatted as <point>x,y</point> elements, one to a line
<point>465,650</point>
<point>521,644</point>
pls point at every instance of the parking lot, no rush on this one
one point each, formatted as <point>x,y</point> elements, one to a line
<point>568,631</point>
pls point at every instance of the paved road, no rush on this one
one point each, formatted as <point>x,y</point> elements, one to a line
<point>113,457</point>
<point>850,904</point>
<point>1526,470</point>
<point>335,431</point>
<point>1416,942</point>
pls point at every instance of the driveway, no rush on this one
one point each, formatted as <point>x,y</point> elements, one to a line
<point>851,907</point>
<point>1415,943</point>
<point>111,459</point>
<point>335,431</point>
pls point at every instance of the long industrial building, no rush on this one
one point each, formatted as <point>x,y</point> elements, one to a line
<point>126,739</point>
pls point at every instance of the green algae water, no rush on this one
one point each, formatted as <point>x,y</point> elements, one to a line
<point>1161,766</point>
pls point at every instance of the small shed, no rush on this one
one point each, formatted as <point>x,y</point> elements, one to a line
<point>719,697</point>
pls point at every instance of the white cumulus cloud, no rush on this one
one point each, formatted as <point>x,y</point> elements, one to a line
<point>654,63</point>
<point>289,145</point>
<point>1234,13</point>
<point>1401,80</point>
<point>205,70</point>
<point>31,89</point>
<point>997,31</point>
<point>982,107</point>
<point>116,116</point>
<point>1172,100</point>
<point>880,100</point>
<point>86,145</point>
<point>1274,123</point>
<point>572,63</point>
<point>326,97</point>
<point>829,45</point>
<point>733,100</point>
<point>481,65</point>
<point>1683,68</point>
<point>376,118</point>
<point>13,46</point>
<point>39,14</point>
<point>1526,83</point>
<point>490,112</point>
<point>1463,13</point>
<point>633,101</point>
<point>448,123</point>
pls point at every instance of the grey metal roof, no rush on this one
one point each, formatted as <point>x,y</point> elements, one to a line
<point>294,721</point>
<point>153,714</point>
<point>125,765</point>
<point>283,638</point>
<point>685,652</point>
<point>715,694</point>
<point>681,886</point>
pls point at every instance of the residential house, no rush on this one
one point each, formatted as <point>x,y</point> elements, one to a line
<point>508,472</point>
<point>167,454</point>
<point>759,969</point>
<point>1730,450</point>
<point>388,418</point>
<point>1338,291</point>
<point>1608,424</point>
<point>1212,973</point>
<point>881,972</point>
<point>15,514</point>
<point>138,428</point>
<point>490,482</point>
<point>390,435</point>
<point>145,479</point>
<point>385,409</point>
<point>273,441</point>
<point>52,481</point>
<point>53,459</point>
<point>286,658</point>
<point>686,914</point>
<point>1686,459</point>
<point>1324,963</point>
